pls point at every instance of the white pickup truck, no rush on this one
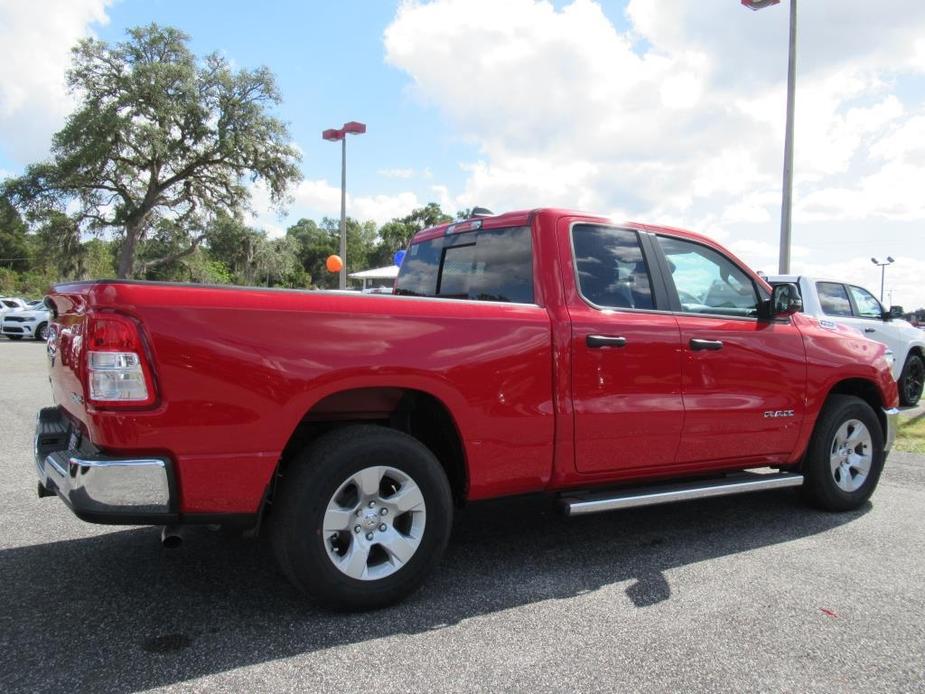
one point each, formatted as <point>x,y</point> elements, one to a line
<point>856,307</point>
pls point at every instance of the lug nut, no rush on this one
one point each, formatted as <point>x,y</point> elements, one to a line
<point>369,536</point>
<point>383,511</point>
<point>382,527</point>
<point>372,503</point>
<point>356,528</point>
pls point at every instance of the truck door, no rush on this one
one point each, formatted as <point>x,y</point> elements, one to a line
<point>743,378</point>
<point>626,351</point>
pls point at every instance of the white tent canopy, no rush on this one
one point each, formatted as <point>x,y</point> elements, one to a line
<point>377,276</point>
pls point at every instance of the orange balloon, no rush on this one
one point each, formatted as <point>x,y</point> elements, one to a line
<point>334,263</point>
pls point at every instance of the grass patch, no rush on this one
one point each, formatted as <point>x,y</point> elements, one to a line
<point>910,435</point>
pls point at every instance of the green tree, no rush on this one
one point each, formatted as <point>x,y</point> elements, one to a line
<point>313,245</point>
<point>230,242</point>
<point>56,248</point>
<point>159,135</point>
<point>14,246</point>
<point>99,259</point>
<point>275,261</point>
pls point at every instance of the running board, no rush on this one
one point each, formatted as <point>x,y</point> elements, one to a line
<point>668,493</point>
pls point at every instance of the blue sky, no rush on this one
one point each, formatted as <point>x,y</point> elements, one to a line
<point>667,111</point>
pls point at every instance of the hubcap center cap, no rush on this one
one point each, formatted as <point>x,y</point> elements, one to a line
<point>370,519</point>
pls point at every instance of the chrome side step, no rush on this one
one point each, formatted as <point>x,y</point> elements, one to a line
<point>668,493</point>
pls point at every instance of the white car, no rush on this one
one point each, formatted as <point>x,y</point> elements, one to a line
<point>10,303</point>
<point>856,307</point>
<point>26,322</point>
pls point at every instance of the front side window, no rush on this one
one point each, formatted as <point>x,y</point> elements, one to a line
<point>833,298</point>
<point>707,281</point>
<point>612,271</point>
<point>488,265</point>
<point>867,305</point>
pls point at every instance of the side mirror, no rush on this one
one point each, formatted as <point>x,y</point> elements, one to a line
<point>785,301</point>
<point>895,312</point>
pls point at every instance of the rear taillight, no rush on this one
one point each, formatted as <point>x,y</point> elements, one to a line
<point>118,374</point>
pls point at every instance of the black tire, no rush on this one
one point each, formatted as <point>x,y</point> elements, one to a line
<point>911,380</point>
<point>15,337</point>
<point>309,483</point>
<point>820,487</point>
<point>41,332</point>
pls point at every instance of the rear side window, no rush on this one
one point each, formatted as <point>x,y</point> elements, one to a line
<point>833,298</point>
<point>487,265</point>
<point>612,271</point>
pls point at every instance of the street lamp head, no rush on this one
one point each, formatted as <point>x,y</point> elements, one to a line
<point>354,128</point>
<point>332,135</point>
<point>889,259</point>
<point>759,4</point>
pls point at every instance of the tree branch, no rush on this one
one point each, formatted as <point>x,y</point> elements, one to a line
<point>194,244</point>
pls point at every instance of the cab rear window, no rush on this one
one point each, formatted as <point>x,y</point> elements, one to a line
<point>486,265</point>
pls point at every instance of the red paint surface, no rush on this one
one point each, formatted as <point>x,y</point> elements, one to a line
<point>236,370</point>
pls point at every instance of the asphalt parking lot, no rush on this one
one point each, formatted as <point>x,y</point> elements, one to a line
<point>754,592</point>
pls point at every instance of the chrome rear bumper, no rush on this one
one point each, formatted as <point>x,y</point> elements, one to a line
<point>98,488</point>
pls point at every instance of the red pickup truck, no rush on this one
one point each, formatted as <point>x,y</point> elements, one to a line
<point>540,351</point>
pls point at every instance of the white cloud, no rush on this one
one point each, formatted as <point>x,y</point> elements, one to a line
<point>35,43</point>
<point>319,198</point>
<point>396,173</point>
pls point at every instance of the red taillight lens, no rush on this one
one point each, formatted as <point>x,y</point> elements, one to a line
<point>118,373</point>
<point>111,333</point>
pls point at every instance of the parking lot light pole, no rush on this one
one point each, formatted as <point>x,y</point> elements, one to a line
<point>333,135</point>
<point>889,261</point>
<point>787,193</point>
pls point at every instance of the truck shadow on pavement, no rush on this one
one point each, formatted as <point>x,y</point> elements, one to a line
<point>116,612</point>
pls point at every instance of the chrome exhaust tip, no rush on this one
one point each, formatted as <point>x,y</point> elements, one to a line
<point>171,537</point>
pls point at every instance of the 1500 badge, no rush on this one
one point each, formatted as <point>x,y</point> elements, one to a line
<point>778,413</point>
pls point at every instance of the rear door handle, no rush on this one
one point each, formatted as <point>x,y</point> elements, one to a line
<point>869,330</point>
<point>605,341</point>
<point>697,344</point>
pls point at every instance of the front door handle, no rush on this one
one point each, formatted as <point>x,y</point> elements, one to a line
<point>869,330</point>
<point>605,341</point>
<point>697,344</point>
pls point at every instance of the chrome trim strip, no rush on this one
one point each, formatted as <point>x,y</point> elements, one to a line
<point>889,436</point>
<point>664,494</point>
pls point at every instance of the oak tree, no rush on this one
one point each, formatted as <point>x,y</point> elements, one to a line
<point>159,134</point>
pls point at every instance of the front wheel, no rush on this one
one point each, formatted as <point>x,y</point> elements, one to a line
<point>845,455</point>
<point>361,517</point>
<point>41,332</point>
<point>911,380</point>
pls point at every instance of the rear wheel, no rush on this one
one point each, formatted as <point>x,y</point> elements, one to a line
<point>911,380</point>
<point>845,456</point>
<point>361,517</point>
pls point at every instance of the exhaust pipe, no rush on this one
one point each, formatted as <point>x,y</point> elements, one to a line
<point>171,537</point>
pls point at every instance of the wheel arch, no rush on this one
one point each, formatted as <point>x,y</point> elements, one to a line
<point>867,391</point>
<point>416,412</point>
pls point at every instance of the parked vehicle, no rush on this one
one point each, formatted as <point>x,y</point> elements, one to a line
<point>856,307</point>
<point>545,351</point>
<point>30,322</point>
<point>10,303</point>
